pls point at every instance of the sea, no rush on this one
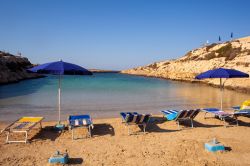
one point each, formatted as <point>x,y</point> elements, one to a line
<point>105,95</point>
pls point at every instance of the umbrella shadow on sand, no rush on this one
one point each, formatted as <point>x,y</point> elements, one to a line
<point>46,133</point>
<point>103,129</point>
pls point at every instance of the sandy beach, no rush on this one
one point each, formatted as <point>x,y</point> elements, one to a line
<point>163,144</point>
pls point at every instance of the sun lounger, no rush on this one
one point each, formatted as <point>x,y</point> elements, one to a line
<point>134,118</point>
<point>222,115</point>
<point>181,115</point>
<point>80,121</point>
<point>22,125</point>
<point>241,112</point>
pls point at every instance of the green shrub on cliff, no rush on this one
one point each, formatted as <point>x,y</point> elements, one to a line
<point>228,51</point>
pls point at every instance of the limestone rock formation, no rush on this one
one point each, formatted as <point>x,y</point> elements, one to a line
<point>234,54</point>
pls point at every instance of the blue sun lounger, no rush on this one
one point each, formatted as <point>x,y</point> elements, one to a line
<point>180,115</point>
<point>134,118</point>
<point>222,115</point>
<point>241,112</point>
<point>80,121</point>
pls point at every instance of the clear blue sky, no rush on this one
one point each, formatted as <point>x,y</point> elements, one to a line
<point>117,34</point>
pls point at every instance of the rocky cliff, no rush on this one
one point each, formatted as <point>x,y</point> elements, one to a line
<point>13,68</point>
<point>234,54</point>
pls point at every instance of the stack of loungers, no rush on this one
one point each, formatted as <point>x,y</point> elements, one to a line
<point>222,115</point>
<point>241,112</point>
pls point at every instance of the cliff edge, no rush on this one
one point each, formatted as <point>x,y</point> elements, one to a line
<point>234,54</point>
<point>13,68</point>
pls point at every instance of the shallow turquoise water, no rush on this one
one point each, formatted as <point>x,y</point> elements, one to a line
<point>105,95</point>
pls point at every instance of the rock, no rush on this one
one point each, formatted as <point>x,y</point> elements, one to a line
<point>234,54</point>
<point>13,68</point>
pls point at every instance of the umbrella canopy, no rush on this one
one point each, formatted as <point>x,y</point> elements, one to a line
<point>60,68</point>
<point>222,73</point>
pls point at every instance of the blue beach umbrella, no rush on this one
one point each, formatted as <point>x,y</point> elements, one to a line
<point>60,68</point>
<point>222,73</point>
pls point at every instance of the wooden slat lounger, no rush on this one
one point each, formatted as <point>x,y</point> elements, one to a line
<point>22,125</point>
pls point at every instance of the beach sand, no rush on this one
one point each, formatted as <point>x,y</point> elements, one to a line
<point>163,144</point>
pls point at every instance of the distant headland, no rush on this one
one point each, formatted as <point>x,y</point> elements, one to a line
<point>231,54</point>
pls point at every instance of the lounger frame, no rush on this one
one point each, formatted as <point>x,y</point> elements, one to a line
<point>222,117</point>
<point>8,130</point>
<point>88,127</point>
<point>138,120</point>
<point>184,115</point>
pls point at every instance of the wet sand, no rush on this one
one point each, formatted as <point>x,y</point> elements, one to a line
<point>163,144</point>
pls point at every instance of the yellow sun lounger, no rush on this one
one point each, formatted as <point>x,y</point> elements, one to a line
<point>22,125</point>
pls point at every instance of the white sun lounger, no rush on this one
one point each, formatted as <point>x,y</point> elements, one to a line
<point>22,125</point>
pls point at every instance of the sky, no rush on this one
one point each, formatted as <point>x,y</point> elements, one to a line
<point>117,34</point>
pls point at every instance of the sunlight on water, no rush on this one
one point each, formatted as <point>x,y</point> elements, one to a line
<point>107,94</point>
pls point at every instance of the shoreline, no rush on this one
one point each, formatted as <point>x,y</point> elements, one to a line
<point>228,87</point>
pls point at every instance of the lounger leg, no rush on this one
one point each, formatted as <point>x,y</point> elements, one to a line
<point>192,123</point>
<point>236,119</point>
<point>26,136</point>
<point>41,125</point>
<point>178,125</point>
<point>7,138</point>
<point>144,128</point>
<point>89,131</point>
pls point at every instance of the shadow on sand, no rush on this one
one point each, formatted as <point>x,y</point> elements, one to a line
<point>46,133</point>
<point>227,148</point>
<point>157,120</point>
<point>154,127</point>
<point>198,124</point>
<point>103,129</point>
<point>242,123</point>
<point>185,123</point>
<point>75,161</point>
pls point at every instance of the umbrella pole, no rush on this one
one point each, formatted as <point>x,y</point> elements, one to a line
<point>59,100</point>
<point>221,95</point>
